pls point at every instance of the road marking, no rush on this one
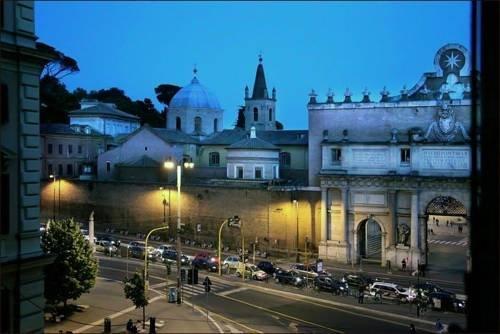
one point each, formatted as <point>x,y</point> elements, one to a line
<point>232,329</point>
<point>112,316</point>
<point>282,314</point>
<point>250,329</point>
<point>225,293</point>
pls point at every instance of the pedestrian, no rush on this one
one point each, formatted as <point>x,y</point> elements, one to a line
<point>434,220</point>
<point>130,324</point>
<point>439,326</point>
<point>460,228</point>
<point>403,265</point>
<point>437,222</point>
<point>412,329</point>
<point>447,223</point>
<point>361,294</point>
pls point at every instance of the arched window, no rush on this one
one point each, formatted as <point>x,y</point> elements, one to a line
<point>216,123</point>
<point>255,114</point>
<point>270,114</point>
<point>197,124</point>
<point>285,159</point>
<point>178,123</point>
<point>213,159</point>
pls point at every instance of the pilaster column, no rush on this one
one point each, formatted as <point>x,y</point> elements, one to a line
<point>323,214</point>
<point>414,220</point>
<point>393,207</point>
<point>344,222</point>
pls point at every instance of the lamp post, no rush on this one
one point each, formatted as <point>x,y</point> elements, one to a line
<point>54,177</point>
<point>169,164</point>
<point>297,230</point>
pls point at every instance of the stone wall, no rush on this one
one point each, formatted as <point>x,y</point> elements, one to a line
<point>269,215</point>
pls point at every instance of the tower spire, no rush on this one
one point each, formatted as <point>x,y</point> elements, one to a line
<point>260,87</point>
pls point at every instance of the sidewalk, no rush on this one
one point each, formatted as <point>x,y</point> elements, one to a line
<point>106,299</point>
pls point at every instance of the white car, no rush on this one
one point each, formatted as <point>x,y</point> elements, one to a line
<point>392,291</point>
<point>232,262</point>
<point>251,271</point>
<point>160,249</point>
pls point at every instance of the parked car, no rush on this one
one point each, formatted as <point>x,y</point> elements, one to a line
<point>355,280</point>
<point>110,239</point>
<point>231,262</point>
<point>392,291</point>
<point>160,249</point>
<point>290,277</point>
<point>304,270</point>
<point>267,267</point>
<point>446,302</point>
<point>108,248</point>
<point>330,284</point>
<point>251,271</point>
<point>170,255</point>
<point>427,288</point>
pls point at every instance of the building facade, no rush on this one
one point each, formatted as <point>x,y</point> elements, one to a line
<point>385,167</point>
<point>70,151</point>
<point>21,258</point>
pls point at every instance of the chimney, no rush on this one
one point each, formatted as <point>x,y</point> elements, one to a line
<point>252,132</point>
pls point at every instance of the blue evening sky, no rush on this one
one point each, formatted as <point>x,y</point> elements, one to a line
<point>137,45</point>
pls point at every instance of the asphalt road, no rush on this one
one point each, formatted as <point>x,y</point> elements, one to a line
<point>268,307</point>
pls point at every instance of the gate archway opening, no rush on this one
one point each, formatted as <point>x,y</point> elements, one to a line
<point>446,235</point>
<point>369,237</point>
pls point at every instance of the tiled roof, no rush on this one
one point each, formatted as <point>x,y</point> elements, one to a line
<point>65,129</point>
<point>174,136</point>
<point>278,137</point>
<point>253,144</point>
<point>102,109</point>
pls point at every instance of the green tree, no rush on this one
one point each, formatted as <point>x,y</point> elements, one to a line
<point>74,269</point>
<point>134,290</point>
<point>279,125</point>
<point>165,93</point>
<point>55,101</point>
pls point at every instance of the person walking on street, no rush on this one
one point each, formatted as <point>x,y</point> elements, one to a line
<point>439,326</point>
<point>361,294</point>
<point>130,324</point>
<point>412,329</point>
<point>403,265</point>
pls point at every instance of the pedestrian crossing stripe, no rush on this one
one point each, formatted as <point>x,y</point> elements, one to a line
<point>445,242</point>
<point>199,289</point>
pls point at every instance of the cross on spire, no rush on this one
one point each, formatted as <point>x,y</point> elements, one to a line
<point>194,70</point>
<point>260,57</point>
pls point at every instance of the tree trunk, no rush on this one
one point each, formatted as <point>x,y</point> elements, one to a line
<point>143,317</point>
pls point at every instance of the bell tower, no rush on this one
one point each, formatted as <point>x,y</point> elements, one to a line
<point>260,109</point>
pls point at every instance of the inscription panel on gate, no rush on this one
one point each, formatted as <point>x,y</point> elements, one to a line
<point>370,158</point>
<point>446,159</point>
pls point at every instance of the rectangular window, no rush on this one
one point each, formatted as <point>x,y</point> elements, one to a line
<point>4,100</point>
<point>79,149</point>
<point>405,156</point>
<point>4,204</point>
<point>60,149</point>
<point>258,172</point>
<point>70,149</point>
<point>60,170</point>
<point>50,169</point>
<point>214,159</point>
<point>239,172</point>
<point>336,156</point>
<point>108,166</point>
<point>69,170</point>
<point>49,149</point>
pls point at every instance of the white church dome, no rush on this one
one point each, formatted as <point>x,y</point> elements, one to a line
<point>194,96</point>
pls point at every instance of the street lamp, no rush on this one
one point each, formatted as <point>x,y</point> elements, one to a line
<point>169,164</point>
<point>54,177</point>
<point>296,203</point>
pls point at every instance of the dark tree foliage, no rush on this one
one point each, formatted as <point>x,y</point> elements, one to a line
<point>74,269</point>
<point>61,66</point>
<point>165,93</point>
<point>240,121</point>
<point>55,101</point>
<point>279,125</point>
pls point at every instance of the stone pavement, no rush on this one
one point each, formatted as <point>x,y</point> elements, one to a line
<point>107,299</point>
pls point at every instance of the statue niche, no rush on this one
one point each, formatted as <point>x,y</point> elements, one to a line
<point>403,234</point>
